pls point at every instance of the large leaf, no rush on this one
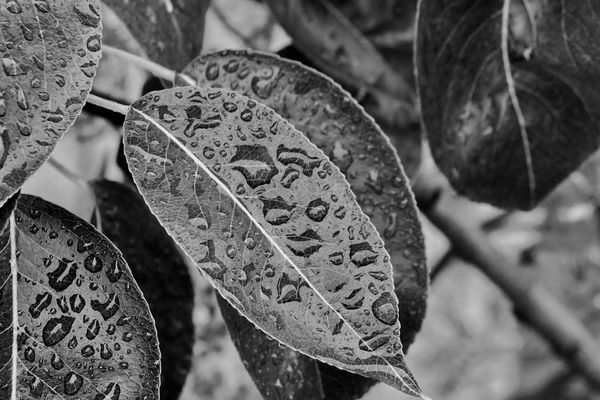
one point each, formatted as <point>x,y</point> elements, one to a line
<point>509,93</point>
<point>272,223</point>
<point>170,32</point>
<point>74,322</point>
<point>337,125</point>
<point>159,270</point>
<point>49,51</point>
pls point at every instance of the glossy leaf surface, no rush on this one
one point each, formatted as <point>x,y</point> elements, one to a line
<point>273,224</point>
<point>81,329</point>
<point>336,124</point>
<point>170,32</point>
<point>49,53</point>
<point>509,93</point>
<point>159,270</point>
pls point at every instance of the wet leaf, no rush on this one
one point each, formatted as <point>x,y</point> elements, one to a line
<point>509,93</point>
<point>335,123</point>
<point>262,211</point>
<point>82,328</point>
<point>159,270</point>
<point>170,32</point>
<point>338,48</point>
<point>278,371</point>
<point>49,53</point>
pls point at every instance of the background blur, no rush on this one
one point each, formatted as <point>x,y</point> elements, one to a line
<point>471,346</point>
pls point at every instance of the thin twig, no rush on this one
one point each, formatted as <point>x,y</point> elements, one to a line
<point>108,104</point>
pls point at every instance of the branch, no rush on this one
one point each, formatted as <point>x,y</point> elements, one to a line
<point>535,305</point>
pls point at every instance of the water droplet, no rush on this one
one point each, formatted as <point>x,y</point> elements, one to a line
<point>249,243</point>
<point>88,351</point>
<point>208,152</point>
<point>246,115</point>
<point>212,71</point>
<point>14,7</point>
<point>385,309</point>
<point>56,329</point>
<point>72,383</point>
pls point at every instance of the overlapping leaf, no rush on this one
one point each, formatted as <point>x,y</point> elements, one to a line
<point>81,328</point>
<point>337,125</point>
<point>49,51</point>
<point>170,32</point>
<point>331,41</point>
<point>272,223</point>
<point>509,93</point>
<point>159,270</point>
<point>278,371</point>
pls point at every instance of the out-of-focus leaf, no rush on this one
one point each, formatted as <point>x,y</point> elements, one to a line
<point>335,123</point>
<point>272,223</point>
<point>278,371</point>
<point>49,53</point>
<point>337,47</point>
<point>74,324</point>
<point>169,31</point>
<point>159,270</point>
<point>509,93</point>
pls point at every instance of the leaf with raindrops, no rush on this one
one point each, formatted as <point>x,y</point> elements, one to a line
<point>49,53</point>
<point>169,32</point>
<point>335,123</point>
<point>509,93</point>
<point>159,270</point>
<point>272,223</point>
<point>75,324</point>
<point>278,371</point>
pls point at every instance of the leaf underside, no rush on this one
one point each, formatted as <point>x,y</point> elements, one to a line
<point>336,124</point>
<point>484,119</point>
<point>272,223</point>
<point>170,32</point>
<point>159,270</point>
<point>49,51</point>
<point>84,330</point>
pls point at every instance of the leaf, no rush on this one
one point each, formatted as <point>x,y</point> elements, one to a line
<point>159,270</point>
<point>404,134</point>
<point>337,125</point>
<point>284,373</point>
<point>258,208</point>
<point>509,93</point>
<point>170,32</point>
<point>81,328</point>
<point>49,53</point>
